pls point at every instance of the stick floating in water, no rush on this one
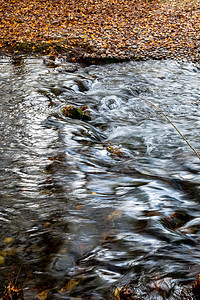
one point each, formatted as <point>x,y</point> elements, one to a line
<point>166,117</point>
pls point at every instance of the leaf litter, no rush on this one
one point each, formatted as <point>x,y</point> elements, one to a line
<point>102,29</point>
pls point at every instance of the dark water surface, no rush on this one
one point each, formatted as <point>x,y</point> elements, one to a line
<point>79,219</point>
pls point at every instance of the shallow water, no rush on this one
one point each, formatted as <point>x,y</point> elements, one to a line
<point>79,219</point>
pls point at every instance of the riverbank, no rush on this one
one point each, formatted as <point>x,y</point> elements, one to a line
<point>108,30</point>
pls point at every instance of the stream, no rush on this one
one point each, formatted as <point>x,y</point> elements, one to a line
<point>87,207</point>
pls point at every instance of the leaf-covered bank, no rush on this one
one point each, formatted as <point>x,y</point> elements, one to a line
<point>102,29</point>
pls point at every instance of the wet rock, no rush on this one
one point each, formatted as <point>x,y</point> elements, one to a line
<point>196,288</point>
<point>118,152</point>
<point>74,112</point>
<point>176,220</point>
<point>191,227</point>
<point>50,63</point>
<point>57,91</point>
<point>69,68</point>
<point>163,288</point>
<point>114,150</point>
<point>125,293</point>
<point>86,116</point>
<point>82,86</point>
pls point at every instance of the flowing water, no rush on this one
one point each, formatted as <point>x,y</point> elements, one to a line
<point>86,207</point>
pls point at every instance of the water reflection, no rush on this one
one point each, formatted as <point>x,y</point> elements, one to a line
<point>84,217</point>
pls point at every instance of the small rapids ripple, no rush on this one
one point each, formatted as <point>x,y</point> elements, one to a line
<point>80,220</point>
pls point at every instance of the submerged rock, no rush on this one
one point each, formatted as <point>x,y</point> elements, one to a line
<point>74,112</point>
<point>176,220</point>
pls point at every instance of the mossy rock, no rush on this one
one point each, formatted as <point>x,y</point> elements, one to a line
<point>86,116</point>
<point>74,112</point>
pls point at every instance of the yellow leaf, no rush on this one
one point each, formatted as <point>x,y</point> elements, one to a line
<point>72,284</point>
<point>9,240</point>
<point>2,260</point>
<point>42,295</point>
<point>117,294</point>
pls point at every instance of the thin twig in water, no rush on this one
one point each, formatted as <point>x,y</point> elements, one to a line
<point>166,117</point>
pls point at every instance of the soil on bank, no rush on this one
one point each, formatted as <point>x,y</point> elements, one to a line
<point>102,30</point>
